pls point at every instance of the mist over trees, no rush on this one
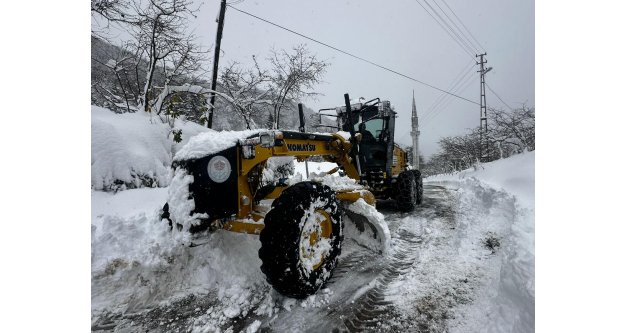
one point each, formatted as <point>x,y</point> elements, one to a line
<point>509,132</point>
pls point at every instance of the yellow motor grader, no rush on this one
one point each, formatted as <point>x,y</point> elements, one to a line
<point>300,223</point>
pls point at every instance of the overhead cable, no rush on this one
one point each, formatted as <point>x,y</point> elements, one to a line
<point>506,104</point>
<point>456,81</point>
<point>353,55</point>
<point>452,30</point>
<point>465,27</point>
<point>465,38</point>
<point>468,51</point>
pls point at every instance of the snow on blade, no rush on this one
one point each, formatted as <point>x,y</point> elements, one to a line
<point>336,183</point>
<point>381,240</point>
<point>378,239</point>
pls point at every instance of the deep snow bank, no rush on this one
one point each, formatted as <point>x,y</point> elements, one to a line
<point>137,261</point>
<point>508,302</point>
<point>515,175</point>
<point>133,150</point>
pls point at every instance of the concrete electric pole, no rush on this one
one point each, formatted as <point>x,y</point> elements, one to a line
<point>484,149</point>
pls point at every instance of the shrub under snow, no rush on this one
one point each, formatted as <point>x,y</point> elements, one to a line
<point>133,150</point>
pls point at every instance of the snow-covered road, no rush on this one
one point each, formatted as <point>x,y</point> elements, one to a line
<point>453,267</point>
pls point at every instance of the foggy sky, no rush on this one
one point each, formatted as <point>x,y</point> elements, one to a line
<point>396,34</point>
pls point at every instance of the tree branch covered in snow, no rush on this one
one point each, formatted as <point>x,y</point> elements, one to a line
<point>294,76</point>
<point>509,133</point>
<point>246,88</point>
<point>159,42</point>
<point>515,128</point>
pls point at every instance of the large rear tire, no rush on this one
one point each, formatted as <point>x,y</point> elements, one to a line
<point>406,196</point>
<point>301,240</point>
<point>419,180</point>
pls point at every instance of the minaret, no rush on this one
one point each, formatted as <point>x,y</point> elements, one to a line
<point>415,134</point>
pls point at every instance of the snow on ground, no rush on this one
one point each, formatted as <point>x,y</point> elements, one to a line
<point>497,200</point>
<point>126,203</point>
<point>472,243</point>
<point>514,175</point>
<point>137,262</point>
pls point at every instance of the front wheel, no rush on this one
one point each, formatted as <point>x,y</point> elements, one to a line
<point>301,240</point>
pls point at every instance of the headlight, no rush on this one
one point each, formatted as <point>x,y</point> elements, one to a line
<point>267,140</point>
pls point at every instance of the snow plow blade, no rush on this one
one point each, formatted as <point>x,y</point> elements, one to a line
<point>365,226</point>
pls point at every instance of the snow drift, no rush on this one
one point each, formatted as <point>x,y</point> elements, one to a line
<point>133,150</point>
<point>510,297</point>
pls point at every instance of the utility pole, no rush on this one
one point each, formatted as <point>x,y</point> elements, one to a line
<point>415,134</point>
<point>220,30</point>
<point>484,149</point>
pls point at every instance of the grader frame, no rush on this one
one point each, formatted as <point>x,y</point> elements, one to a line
<point>257,150</point>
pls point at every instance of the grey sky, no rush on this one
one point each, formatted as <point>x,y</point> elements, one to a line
<point>397,34</point>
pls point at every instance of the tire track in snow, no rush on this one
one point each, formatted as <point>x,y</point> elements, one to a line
<point>360,282</point>
<point>372,309</point>
<point>375,311</point>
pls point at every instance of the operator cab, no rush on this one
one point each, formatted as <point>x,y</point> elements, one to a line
<point>375,121</point>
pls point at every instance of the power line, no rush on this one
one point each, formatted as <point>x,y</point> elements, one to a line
<point>460,85</point>
<point>461,80</point>
<point>461,88</point>
<point>454,88</point>
<point>455,82</point>
<point>506,104</point>
<point>465,27</point>
<point>466,39</point>
<point>446,101</point>
<point>447,25</point>
<point>353,55</point>
<point>432,118</point>
<point>446,31</point>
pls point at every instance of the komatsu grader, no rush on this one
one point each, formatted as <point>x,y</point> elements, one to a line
<point>300,223</point>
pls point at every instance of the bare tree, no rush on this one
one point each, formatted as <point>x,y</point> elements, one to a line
<point>246,88</point>
<point>118,64</point>
<point>513,129</point>
<point>118,12</point>
<point>460,152</point>
<point>112,10</point>
<point>162,37</point>
<point>509,132</point>
<point>294,75</point>
<point>161,59</point>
